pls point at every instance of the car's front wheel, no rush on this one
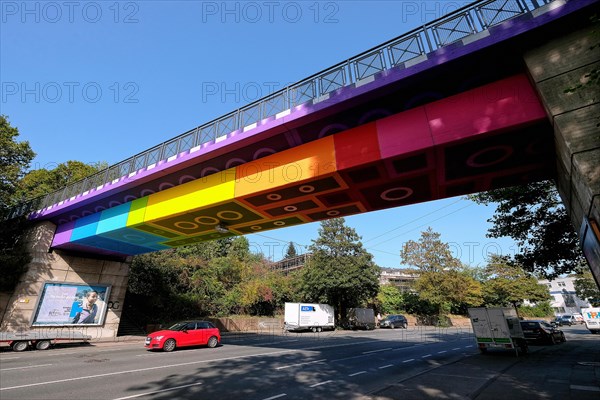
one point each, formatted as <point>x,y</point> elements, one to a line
<point>169,345</point>
<point>212,342</point>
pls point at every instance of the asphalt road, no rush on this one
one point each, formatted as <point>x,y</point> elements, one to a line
<point>348,365</point>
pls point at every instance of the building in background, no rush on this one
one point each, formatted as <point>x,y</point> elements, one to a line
<point>564,299</point>
<point>401,278</point>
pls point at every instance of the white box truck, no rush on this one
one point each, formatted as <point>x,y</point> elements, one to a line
<point>591,318</point>
<point>308,316</point>
<point>497,328</point>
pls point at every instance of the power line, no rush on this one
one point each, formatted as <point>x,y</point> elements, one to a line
<point>414,220</point>
<point>420,226</point>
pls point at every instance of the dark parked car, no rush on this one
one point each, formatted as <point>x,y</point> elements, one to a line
<point>184,334</point>
<point>565,320</point>
<point>394,321</point>
<point>543,332</point>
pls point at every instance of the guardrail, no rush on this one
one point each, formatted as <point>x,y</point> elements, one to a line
<point>471,19</point>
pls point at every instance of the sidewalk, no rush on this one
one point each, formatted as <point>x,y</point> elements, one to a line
<point>569,370</point>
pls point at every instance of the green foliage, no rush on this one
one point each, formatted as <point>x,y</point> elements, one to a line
<point>42,181</point>
<point>14,255</point>
<point>586,287</point>
<point>340,272</point>
<point>508,283</point>
<point>216,278</point>
<point>443,283</point>
<point>389,299</point>
<point>540,310</point>
<point>291,251</point>
<point>15,158</point>
<point>535,218</point>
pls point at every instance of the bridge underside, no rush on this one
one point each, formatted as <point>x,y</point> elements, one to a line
<point>492,136</point>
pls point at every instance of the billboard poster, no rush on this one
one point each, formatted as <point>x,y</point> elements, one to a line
<point>71,304</point>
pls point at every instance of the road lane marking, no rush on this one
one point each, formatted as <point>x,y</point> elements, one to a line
<point>466,347</point>
<point>456,348</point>
<point>409,360</point>
<point>275,397</point>
<point>441,352</point>
<point>588,388</point>
<point>158,391</point>
<point>426,355</point>
<point>304,363</point>
<point>145,369</point>
<point>31,366</point>
<point>320,383</point>
<point>376,351</point>
<point>9,358</point>
<point>358,373</point>
<point>386,366</point>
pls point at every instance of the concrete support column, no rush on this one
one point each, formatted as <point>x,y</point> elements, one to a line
<point>17,308</point>
<point>556,66</point>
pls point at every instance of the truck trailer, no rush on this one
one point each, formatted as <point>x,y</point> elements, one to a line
<point>497,328</point>
<point>308,316</point>
<point>591,318</point>
<point>40,339</point>
<point>361,318</point>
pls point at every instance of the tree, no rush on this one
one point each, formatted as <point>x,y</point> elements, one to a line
<point>535,218</point>
<point>389,299</point>
<point>442,281</point>
<point>15,158</point>
<point>586,287</point>
<point>291,251</point>
<point>340,271</point>
<point>509,284</point>
<point>43,181</point>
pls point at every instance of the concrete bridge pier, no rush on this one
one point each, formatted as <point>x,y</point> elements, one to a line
<point>17,309</point>
<point>556,66</point>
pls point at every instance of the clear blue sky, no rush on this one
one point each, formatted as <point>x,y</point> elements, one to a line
<point>104,80</point>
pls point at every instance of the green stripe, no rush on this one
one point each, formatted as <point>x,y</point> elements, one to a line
<point>502,340</point>
<point>484,340</point>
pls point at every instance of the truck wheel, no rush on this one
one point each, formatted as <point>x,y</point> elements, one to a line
<point>20,346</point>
<point>43,345</point>
<point>319,329</point>
<point>483,350</point>
<point>314,329</point>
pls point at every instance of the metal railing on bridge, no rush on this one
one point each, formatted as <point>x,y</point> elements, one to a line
<point>474,18</point>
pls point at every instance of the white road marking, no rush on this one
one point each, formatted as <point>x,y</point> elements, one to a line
<point>145,369</point>
<point>441,352</point>
<point>456,348</point>
<point>376,351</point>
<point>9,358</point>
<point>386,366</point>
<point>358,373</point>
<point>31,366</point>
<point>304,363</point>
<point>588,388</point>
<point>158,391</point>
<point>275,397</point>
<point>320,383</point>
<point>409,360</point>
<point>426,355</point>
<point>466,347</point>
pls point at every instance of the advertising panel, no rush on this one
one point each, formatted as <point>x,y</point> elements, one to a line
<point>71,304</point>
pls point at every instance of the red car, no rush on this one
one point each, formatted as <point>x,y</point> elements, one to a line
<point>184,334</point>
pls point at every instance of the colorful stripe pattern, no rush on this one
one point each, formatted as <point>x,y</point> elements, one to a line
<point>428,152</point>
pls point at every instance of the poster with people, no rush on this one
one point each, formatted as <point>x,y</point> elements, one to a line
<point>71,304</point>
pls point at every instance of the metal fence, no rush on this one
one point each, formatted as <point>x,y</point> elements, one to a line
<point>474,18</point>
